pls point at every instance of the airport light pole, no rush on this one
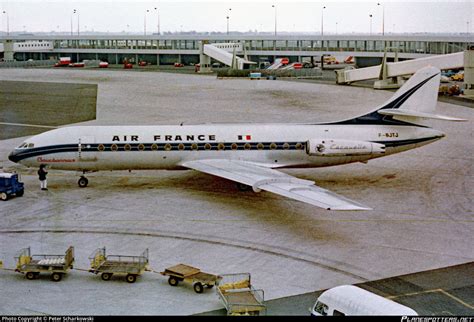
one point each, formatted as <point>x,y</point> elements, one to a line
<point>370,16</point>
<point>158,21</point>
<point>72,16</point>
<point>336,27</point>
<point>144,21</point>
<point>274,6</point>
<point>8,22</point>
<point>322,26</point>
<point>383,18</point>
<point>228,17</point>
<point>78,22</point>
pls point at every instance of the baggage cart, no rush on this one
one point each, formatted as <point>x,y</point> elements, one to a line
<point>239,296</point>
<point>33,265</point>
<point>191,275</point>
<point>108,265</point>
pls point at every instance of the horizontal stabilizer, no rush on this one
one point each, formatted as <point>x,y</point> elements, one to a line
<point>408,114</point>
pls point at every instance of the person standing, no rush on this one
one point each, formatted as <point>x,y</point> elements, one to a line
<point>42,177</point>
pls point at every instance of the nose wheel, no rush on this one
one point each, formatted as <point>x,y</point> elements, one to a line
<point>83,182</point>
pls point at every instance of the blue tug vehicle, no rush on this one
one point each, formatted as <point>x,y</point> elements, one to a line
<point>10,185</point>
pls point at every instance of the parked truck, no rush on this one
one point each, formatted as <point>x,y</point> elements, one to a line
<point>63,62</point>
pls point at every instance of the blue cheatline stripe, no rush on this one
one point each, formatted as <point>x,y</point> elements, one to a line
<point>201,146</point>
<point>376,118</point>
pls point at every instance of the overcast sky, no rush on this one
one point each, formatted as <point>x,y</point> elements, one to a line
<point>292,16</point>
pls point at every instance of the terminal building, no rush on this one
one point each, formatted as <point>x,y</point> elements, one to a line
<point>182,48</point>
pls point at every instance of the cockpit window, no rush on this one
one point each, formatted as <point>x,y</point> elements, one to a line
<point>26,145</point>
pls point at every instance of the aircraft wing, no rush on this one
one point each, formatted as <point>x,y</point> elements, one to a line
<point>262,178</point>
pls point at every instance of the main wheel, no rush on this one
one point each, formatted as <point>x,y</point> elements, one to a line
<point>30,276</point>
<point>198,288</point>
<point>173,281</point>
<point>243,187</point>
<point>20,193</point>
<point>3,196</point>
<point>131,278</point>
<point>106,276</point>
<point>56,277</point>
<point>83,182</point>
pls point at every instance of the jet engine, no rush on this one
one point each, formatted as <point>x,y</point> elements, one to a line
<point>329,147</point>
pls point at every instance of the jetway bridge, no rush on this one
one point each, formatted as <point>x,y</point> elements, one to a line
<point>388,74</point>
<point>407,67</point>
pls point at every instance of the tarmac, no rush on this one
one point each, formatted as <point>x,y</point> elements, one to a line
<point>422,199</point>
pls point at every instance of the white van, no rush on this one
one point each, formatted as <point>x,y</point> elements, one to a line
<point>352,300</point>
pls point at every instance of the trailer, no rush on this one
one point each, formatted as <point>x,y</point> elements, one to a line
<point>108,265</point>
<point>33,265</point>
<point>239,296</point>
<point>192,275</point>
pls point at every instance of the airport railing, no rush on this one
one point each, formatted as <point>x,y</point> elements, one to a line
<point>26,64</point>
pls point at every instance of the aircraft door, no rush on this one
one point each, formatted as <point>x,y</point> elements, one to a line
<point>86,150</point>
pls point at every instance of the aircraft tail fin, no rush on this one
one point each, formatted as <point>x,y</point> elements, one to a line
<point>413,103</point>
<point>416,99</point>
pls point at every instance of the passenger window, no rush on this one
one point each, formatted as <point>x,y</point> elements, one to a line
<point>337,313</point>
<point>30,145</point>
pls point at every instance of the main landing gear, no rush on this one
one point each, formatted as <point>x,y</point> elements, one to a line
<point>83,182</point>
<point>243,187</point>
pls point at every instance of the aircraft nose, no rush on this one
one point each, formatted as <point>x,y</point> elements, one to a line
<point>13,157</point>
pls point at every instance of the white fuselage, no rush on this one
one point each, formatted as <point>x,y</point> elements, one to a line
<point>94,148</point>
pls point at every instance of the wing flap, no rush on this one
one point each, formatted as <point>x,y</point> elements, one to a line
<point>262,178</point>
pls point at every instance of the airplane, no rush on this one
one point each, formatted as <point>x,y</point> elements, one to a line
<point>250,154</point>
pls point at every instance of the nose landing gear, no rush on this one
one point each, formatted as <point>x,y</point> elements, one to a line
<point>83,182</point>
